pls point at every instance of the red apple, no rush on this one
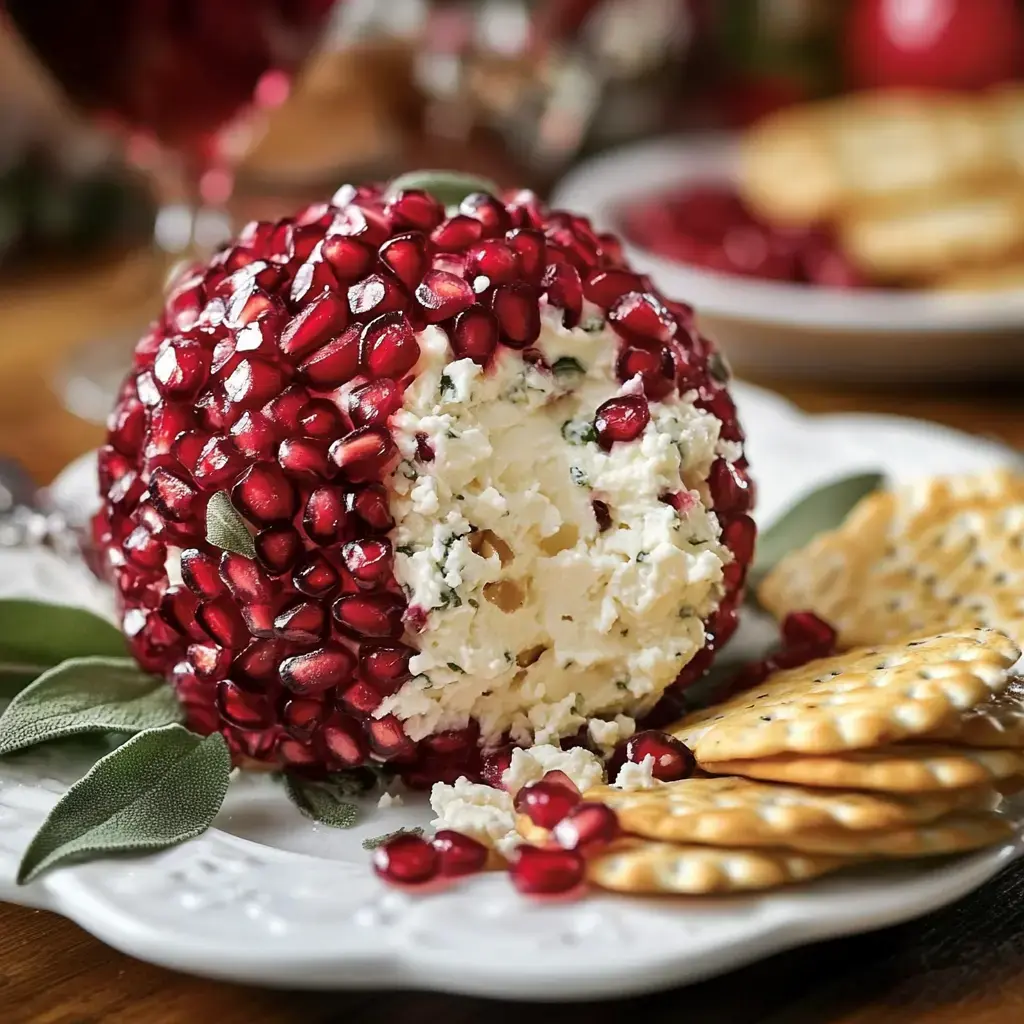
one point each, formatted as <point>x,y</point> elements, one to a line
<point>933,44</point>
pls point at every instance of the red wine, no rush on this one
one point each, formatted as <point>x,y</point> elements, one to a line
<point>176,69</point>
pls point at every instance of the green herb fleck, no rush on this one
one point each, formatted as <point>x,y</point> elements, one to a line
<point>456,668</point>
<point>405,549</point>
<point>446,388</point>
<point>593,324</point>
<point>472,602</point>
<point>622,684</point>
<point>578,476</point>
<point>642,556</point>
<point>566,366</point>
<point>579,431</point>
<point>372,844</point>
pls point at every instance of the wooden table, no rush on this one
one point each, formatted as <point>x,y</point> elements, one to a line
<point>964,964</point>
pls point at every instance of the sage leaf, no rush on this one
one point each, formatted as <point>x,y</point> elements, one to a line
<point>87,695</point>
<point>35,636</point>
<point>226,529</point>
<point>162,787</point>
<point>448,187</point>
<point>821,510</point>
<point>321,802</point>
<point>375,841</point>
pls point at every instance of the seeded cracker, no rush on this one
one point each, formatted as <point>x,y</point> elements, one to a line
<point>947,552</point>
<point>647,867</point>
<point>896,769</point>
<point>726,811</point>
<point>998,722</point>
<point>852,701</point>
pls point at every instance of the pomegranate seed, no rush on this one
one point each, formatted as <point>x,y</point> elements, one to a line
<point>200,574</point>
<point>655,366</point>
<point>385,665</point>
<point>526,208</point>
<point>561,287</point>
<point>256,666</point>
<point>313,280</point>
<point>254,434</point>
<point>143,550</point>
<point>345,742</point>
<point>406,860</point>
<point>515,308</point>
<point>253,382</point>
<point>322,319</point>
<point>739,535</point>
<point>621,419</point>
<point>167,423</point>
<point>364,454</point>
<point>316,577</point>
<point>486,209</point>
<point>218,464</point>
<point>305,457</point>
<point>178,609</point>
<point>415,208</point>
<point>373,615</point>
<point>494,765</point>
<point>369,226</point>
<point>223,622</point>
<point>209,662</point>
<point>529,247</point>
<point>185,301</point>
<point>375,295</point>
<point>214,410</point>
<point>302,623</point>
<point>259,619</point>
<point>244,579</point>
<point>587,827</point>
<point>301,718</point>
<point>442,295</point>
<point>730,492</point>
<point>293,752</point>
<point>406,257</point>
<point>181,368</point>
<point>719,403</point>
<point>458,855</point>
<point>605,287</point>
<point>546,802</point>
<point>347,257</point>
<point>319,670</point>
<point>602,514</point>
<point>172,497</point>
<point>494,260</point>
<point>320,418</point>
<point>265,495</point>
<point>278,548</point>
<point>242,709</point>
<point>370,504</point>
<point>457,233</point>
<point>335,363</point>
<point>389,740</point>
<point>369,561</point>
<point>672,759</point>
<point>361,698</point>
<point>324,516</point>
<point>559,778</point>
<point>547,872</point>
<point>475,335</point>
<point>641,315</point>
<point>373,403</point>
<point>805,629</point>
<point>387,346</point>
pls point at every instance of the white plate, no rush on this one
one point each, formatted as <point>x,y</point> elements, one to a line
<point>797,328</point>
<point>266,897</point>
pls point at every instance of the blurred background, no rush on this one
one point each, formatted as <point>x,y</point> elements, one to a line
<point>842,188</point>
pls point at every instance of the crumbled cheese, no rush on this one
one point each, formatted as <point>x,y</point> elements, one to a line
<point>633,776</point>
<point>536,620</point>
<point>608,735</point>
<point>390,800</point>
<point>483,812</point>
<point>531,764</point>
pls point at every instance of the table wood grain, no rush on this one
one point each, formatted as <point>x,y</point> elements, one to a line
<point>964,964</point>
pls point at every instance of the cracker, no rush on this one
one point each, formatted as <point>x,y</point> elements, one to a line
<point>945,553</point>
<point>650,867</point>
<point>911,768</point>
<point>998,722</point>
<point>859,699</point>
<point>954,833</point>
<point>728,811</point>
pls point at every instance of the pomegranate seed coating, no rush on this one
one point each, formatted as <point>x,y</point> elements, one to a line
<point>273,377</point>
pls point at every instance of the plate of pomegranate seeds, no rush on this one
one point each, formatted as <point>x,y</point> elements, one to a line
<point>778,298</point>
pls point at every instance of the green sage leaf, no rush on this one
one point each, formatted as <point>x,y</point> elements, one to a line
<point>162,787</point>
<point>375,841</point>
<point>35,636</point>
<point>321,802</point>
<point>225,527</point>
<point>447,187</point>
<point>87,695</point>
<point>823,509</point>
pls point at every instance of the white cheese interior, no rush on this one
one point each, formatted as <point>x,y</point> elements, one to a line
<point>536,620</point>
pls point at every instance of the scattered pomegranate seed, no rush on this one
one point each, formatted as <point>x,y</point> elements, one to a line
<point>621,419</point>
<point>587,827</point>
<point>546,872</point>
<point>672,758</point>
<point>442,295</point>
<point>406,860</point>
<point>546,802</point>
<point>458,855</point>
<point>806,628</point>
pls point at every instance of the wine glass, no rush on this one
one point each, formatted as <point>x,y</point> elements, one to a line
<point>186,85</point>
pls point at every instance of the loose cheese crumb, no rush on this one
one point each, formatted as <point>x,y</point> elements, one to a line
<point>633,776</point>
<point>530,765</point>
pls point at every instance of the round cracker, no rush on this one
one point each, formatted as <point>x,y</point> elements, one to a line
<point>913,768</point>
<point>732,811</point>
<point>863,698</point>
<point>650,867</point>
<point>998,722</point>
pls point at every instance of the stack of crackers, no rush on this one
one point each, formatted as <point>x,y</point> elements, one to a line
<point>901,746</point>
